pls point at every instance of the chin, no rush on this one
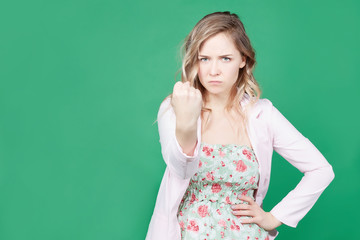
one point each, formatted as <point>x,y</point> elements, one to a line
<point>215,92</point>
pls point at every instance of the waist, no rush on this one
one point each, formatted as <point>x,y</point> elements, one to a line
<point>217,193</point>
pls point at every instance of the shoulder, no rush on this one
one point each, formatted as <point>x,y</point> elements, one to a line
<point>262,106</point>
<point>165,107</point>
<point>264,102</point>
<point>166,103</point>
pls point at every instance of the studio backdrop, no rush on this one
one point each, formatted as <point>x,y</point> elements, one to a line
<point>81,83</point>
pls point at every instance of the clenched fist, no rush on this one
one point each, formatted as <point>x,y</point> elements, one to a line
<point>186,102</point>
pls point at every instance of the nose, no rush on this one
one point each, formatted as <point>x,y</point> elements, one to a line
<point>214,68</point>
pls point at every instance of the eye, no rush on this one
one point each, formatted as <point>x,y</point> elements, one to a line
<point>226,59</point>
<point>201,59</point>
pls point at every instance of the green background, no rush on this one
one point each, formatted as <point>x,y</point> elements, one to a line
<point>80,87</point>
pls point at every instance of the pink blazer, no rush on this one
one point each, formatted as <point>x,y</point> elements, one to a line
<point>268,130</point>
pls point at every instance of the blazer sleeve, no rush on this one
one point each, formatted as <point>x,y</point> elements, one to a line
<point>302,154</point>
<point>179,163</point>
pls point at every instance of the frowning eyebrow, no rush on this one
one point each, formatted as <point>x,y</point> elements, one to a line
<point>220,56</point>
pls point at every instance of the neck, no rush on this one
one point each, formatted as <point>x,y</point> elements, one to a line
<point>216,102</point>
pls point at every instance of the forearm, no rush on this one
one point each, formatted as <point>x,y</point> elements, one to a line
<point>186,135</point>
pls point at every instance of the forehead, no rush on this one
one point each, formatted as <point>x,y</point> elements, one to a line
<point>221,43</point>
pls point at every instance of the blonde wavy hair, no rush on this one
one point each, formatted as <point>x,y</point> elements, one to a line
<point>207,27</point>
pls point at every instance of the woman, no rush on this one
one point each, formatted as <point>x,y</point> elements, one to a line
<point>217,138</point>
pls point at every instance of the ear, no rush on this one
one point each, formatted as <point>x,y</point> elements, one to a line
<point>242,64</point>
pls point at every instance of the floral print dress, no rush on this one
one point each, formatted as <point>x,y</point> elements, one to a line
<point>225,171</point>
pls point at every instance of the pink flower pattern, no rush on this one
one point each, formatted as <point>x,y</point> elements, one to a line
<point>247,153</point>
<point>207,151</point>
<point>203,211</point>
<point>193,226</point>
<point>241,166</point>
<point>216,188</point>
<point>225,172</point>
<point>252,180</point>
<point>210,177</point>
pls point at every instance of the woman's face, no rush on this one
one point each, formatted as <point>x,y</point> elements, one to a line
<point>219,64</point>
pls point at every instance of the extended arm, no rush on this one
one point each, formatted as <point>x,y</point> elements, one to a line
<point>180,163</point>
